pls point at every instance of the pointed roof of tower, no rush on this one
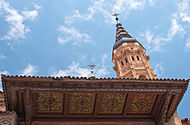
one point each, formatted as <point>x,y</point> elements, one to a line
<point>122,35</point>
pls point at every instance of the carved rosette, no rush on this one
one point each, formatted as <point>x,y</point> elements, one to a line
<point>140,103</point>
<point>112,103</point>
<point>49,101</point>
<point>81,102</point>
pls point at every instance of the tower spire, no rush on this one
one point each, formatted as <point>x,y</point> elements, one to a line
<point>129,56</point>
<point>116,17</point>
<point>121,34</point>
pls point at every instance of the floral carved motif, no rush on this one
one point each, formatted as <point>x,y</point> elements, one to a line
<point>112,103</point>
<point>81,102</point>
<point>49,101</point>
<point>140,103</point>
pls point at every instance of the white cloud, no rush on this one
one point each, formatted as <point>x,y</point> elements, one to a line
<point>187,45</point>
<point>148,36</point>
<point>107,8</point>
<point>76,15</point>
<point>97,7</point>
<point>73,70</point>
<point>102,71</point>
<point>183,11</point>
<point>154,43</point>
<point>31,15</point>
<point>123,5</point>
<point>151,42</point>
<point>159,69</point>
<point>175,28</point>
<point>5,72</point>
<point>30,70</point>
<point>76,70</point>
<point>183,15</point>
<point>72,35</point>
<point>37,6</point>
<point>2,57</point>
<point>16,21</point>
<point>180,21</point>
<point>62,41</point>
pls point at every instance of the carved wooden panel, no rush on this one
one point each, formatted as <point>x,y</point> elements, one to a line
<point>20,104</point>
<point>140,103</point>
<point>112,103</point>
<point>5,121</point>
<point>49,102</point>
<point>81,102</point>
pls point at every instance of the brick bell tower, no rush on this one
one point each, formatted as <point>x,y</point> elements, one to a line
<point>129,56</point>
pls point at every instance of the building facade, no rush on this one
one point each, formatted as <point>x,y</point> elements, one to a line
<point>129,56</point>
<point>135,97</point>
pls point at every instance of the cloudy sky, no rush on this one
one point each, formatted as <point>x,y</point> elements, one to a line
<point>62,37</point>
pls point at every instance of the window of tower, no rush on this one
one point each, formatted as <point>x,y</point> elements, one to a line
<point>122,63</point>
<point>126,60</point>
<point>138,58</point>
<point>133,58</point>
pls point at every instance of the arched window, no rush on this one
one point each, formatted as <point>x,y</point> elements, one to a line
<point>133,58</point>
<point>138,58</point>
<point>122,63</point>
<point>126,60</point>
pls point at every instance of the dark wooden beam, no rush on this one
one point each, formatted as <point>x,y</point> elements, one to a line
<point>163,113</point>
<point>28,106</point>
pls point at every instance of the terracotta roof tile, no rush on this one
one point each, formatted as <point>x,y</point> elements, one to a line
<point>89,78</point>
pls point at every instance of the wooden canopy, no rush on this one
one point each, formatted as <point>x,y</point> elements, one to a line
<point>74,98</point>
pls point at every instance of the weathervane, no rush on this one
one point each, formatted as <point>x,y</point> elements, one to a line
<point>92,70</point>
<point>116,16</point>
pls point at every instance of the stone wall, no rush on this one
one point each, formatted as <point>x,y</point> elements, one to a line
<point>174,120</point>
<point>2,102</point>
<point>8,118</point>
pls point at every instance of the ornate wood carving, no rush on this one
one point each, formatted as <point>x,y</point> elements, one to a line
<point>28,106</point>
<point>163,115</point>
<point>140,103</point>
<point>49,102</point>
<point>112,103</point>
<point>14,100</point>
<point>20,104</point>
<point>81,102</point>
<point>93,98</point>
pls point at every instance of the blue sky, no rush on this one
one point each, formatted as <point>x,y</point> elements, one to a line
<point>62,37</point>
